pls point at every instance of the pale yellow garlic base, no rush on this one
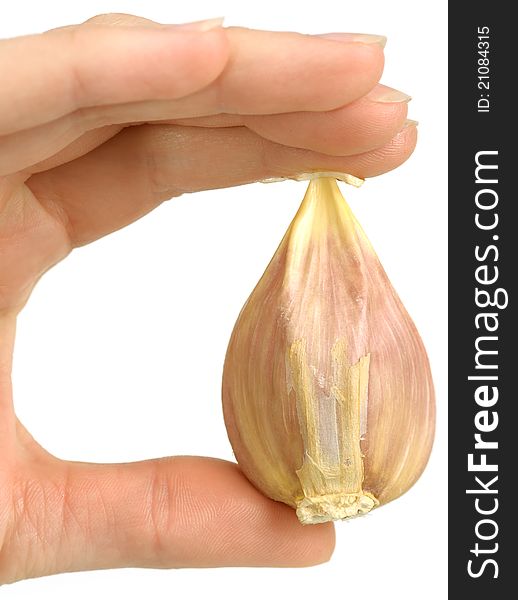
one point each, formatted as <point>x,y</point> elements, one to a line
<point>334,507</point>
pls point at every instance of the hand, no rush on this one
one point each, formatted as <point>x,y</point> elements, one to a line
<point>100,123</point>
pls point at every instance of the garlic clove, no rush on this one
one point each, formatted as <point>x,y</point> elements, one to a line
<point>327,391</point>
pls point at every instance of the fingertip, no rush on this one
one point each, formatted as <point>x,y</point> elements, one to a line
<point>247,528</point>
<point>360,67</point>
<point>278,72</point>
<point>392,155</point>
<point>362,126</point>
<point>405,141</point>
<point>317,546</point>
<point>278,538</point>
<point>371,62</point>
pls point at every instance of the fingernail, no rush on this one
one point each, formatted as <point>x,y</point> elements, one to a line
<point>409,123</point>
<point>388,95</point>
<point>362,38</point>
<point>205,25</point>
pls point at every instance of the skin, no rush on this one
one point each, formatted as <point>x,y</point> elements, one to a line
<point>99,124</point>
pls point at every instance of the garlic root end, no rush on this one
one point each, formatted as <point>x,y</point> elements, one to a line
<point>334,507</point>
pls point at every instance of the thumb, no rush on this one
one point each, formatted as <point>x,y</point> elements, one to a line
<point>173,512</point>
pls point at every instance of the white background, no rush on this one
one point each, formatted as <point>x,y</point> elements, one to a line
<point>107,361</point>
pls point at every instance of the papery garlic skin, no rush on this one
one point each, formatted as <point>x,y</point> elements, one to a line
<point>327,391</point>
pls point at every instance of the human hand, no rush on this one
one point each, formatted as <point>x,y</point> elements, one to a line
<point>99,123</point>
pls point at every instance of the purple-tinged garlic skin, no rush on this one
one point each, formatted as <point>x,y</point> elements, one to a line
<point>327,391</point>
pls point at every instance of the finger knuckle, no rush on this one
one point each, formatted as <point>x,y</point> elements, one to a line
<point>77,80</point>
<point>161,507</point>
<point>26,531</point>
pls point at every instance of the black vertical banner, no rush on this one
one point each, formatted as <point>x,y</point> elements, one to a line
<point>483,258</point>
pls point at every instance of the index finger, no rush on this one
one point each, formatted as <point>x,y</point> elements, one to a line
<point>233,70</point>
